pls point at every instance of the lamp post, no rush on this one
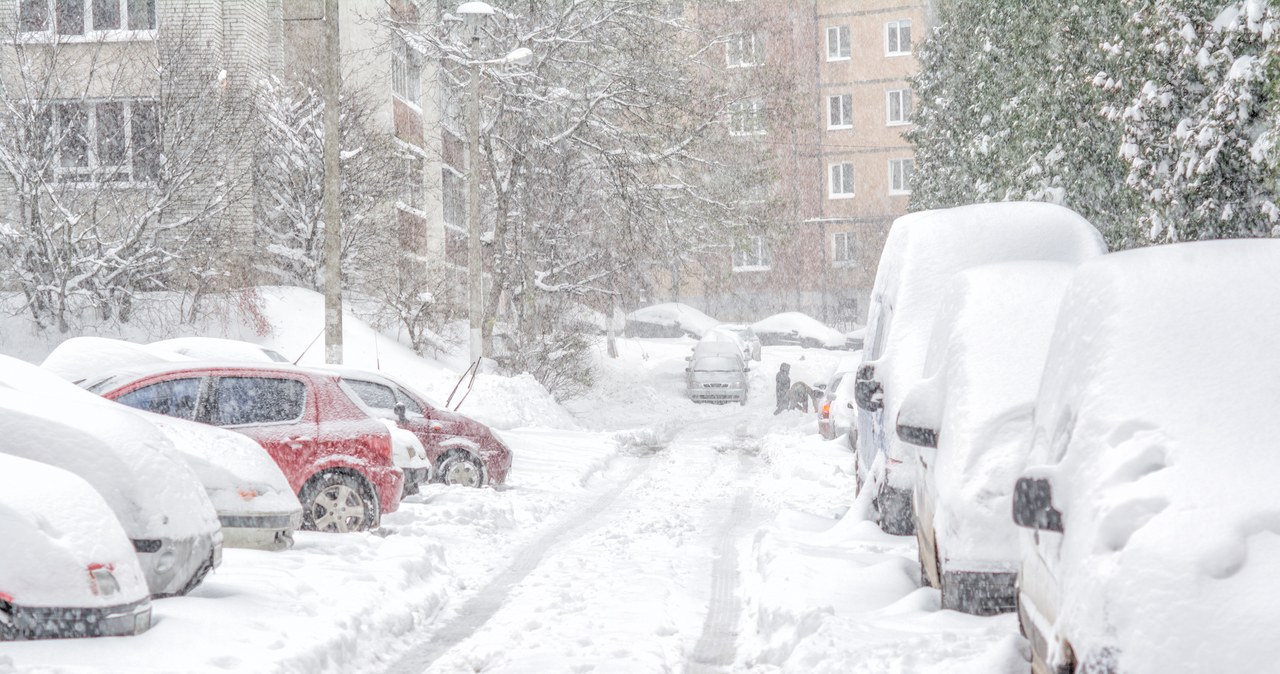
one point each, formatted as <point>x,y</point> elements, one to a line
<point>474,14</point>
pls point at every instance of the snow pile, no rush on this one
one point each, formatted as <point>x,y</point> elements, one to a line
<point>982,379</point>
<point>795,325</point>
<point>79,358</point>
<point>920,256</point>
<point>55,527</point>
<point>1156,426</point>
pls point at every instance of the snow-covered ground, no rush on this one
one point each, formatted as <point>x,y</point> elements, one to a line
<point>638,532</point>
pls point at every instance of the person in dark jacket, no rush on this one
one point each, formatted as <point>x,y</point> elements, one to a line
<point>783,387</point>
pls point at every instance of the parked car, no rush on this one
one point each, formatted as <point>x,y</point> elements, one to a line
<point>793,327</point>
<point>717,373</point>
<point>338,459</point>
<point>78,358</point>
<point>970,417</point>
<point>215,348</point>
<point>669,319</point>
<point>1149,500</point>
<point>255,504</point>
<point>922,253</point>
<point>745,334</point>
<point>836,412</point>
<point>134,466</point>
<point>461,450</point>
<point>67,568</point>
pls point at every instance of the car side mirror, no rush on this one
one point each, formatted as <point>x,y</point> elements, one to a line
<point>402,413</point>
<point>867,391</point>
<point>1033,505</point>
<point>920,415</point>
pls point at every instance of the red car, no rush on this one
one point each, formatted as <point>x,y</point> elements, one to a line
<point>336,457</point>
<point>462,450</point>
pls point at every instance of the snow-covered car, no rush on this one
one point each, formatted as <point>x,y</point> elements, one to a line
<point>78,358</point>
<point>459,449</point>
<point>216,348</point>
<point>134,466</point>
<point>669,319</point>
<point>716,373</point>
<point>338,460</point>
<point>836,411</point>
<point>410,456</point>
<point>922,253</point>
<point>1149,497</point>
<point>970,417</point>
<point>793,327</point>
<point>67,568</point>
<point>255,504</point>
<point>745,334</point>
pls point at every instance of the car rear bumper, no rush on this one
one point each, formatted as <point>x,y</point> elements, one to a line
<point>29,622</point>
<point>272,531</point>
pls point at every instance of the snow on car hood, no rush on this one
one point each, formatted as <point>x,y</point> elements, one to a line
<point>238,474</point>
<point>80,357</point>
<point>55,527</point>
<point>986,377</point>
<point>1157,424</point>
<point>126,458</point>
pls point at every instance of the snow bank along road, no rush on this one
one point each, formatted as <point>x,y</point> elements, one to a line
<point>670,537</point>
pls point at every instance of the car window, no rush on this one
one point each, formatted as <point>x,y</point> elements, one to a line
<point>257,400</point>
<point>372,394</point>
<point>172,398</point>
<point>410,404</point>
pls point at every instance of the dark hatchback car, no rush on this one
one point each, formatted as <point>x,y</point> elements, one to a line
<point>463,451</point>
<point>338,459</point>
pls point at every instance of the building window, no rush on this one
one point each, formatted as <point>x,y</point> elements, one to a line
<point>841,181</point>
<point>840,111</point>
<point>752,255</point>
<point>898,106</point>
<point>83,17</point>
<point>744,50</point>
<point>406,73</point>
<point>746,118</point>
<point>413,189</point>
<point>839,46</point>
<point>453,198</point>
<point>104,141</point>
<point>842,247</point>
<point>897,38</point>
<point>900,176</point>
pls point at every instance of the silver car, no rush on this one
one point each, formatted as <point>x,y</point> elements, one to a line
<point>717,373</point>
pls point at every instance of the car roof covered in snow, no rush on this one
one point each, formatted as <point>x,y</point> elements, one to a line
<point>670,314</point>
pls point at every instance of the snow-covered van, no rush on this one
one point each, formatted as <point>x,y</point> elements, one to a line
<point>1149,498</point>
<point>922,253</point>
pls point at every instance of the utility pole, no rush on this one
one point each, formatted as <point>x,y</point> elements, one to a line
<point>332,203</point>
<point>475,270</point>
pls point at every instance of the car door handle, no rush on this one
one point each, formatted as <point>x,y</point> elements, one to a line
<point>298,442</point>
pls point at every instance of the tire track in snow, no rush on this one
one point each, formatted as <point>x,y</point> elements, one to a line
<point>477,610</point>
<point>717,647</point>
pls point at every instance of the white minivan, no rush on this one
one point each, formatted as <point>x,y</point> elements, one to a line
<point>922,253</point>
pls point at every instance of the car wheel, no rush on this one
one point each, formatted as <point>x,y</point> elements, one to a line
<point>338,502</point>
<point>461,469</point>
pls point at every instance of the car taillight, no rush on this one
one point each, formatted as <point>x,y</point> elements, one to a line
<point>247,493</point>
<point>101,580</point>
<point>826,410</point>
<point>6,597</point>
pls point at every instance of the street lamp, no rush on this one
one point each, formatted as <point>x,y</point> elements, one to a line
<point>474,14</point>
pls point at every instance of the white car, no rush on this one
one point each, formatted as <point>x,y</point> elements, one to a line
<point>717,373</point>
<point>922,253</point>
<point>67,569</point>
<point>156,497</point>
<point>255,505</point>
<point>78,358</point>
<point>1149,498</point>
<point>971,418</point>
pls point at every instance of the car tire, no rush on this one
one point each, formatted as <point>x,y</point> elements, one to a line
<point>339,502</point>
<point>461,469</point>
